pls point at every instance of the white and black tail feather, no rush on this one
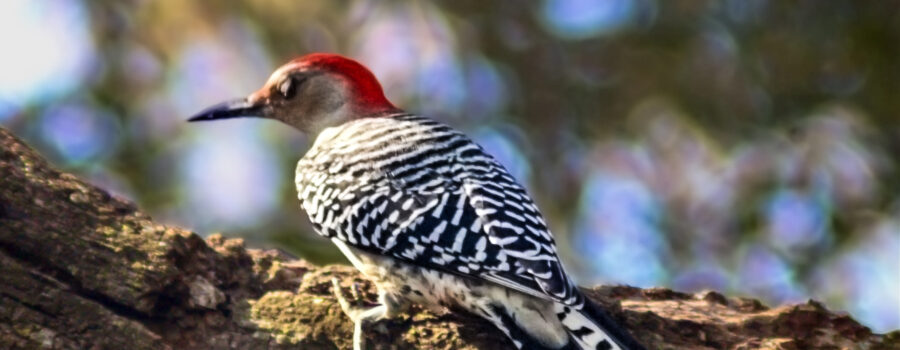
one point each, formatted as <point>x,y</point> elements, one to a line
<point>592,328</point>
<point>589,328</point>
<point>520,338</point>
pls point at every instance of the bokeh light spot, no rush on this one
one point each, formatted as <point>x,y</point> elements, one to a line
<point>617,227</point>
<point>866,275</point>
<point>765,273</point>
<point>485,88</point>
<point>795,219</point>
<point>78,133</point>
<point>576,19</point>
<point>47,50</point>
<point>232,177</point>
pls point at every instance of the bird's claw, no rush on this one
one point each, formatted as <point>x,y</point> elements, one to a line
<point>354,290</point>
<point>352,309</point>
<point>348,308</point>
<point>359,315</point>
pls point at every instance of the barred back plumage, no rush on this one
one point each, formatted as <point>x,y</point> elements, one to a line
<point>381,184</point>
<point>416,190</point>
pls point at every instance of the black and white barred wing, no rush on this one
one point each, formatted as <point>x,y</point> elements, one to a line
<point>512,222</point>
<point>463,215</point>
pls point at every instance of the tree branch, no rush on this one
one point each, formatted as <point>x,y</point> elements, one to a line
<point>81,269</point>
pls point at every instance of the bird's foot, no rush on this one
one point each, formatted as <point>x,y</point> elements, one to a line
<point>349,308</point>
<point>360,315</point>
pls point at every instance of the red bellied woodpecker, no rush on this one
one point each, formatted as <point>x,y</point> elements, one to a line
<point>422,210</point>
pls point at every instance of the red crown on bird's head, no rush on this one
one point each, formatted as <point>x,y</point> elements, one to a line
<point>367,90</point>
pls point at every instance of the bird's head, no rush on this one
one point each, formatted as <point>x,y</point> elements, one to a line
<point>310,93</point>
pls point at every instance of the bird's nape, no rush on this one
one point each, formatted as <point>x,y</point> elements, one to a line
<point>240,108</point>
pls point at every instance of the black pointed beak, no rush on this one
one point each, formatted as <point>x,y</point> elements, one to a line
<point>231,109</point>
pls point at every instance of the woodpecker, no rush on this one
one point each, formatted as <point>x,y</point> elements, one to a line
<point>422,210</point>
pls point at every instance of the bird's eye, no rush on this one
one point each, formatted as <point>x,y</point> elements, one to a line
<point>287,87</point>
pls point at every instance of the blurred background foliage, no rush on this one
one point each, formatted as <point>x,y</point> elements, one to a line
<point>747,146</point>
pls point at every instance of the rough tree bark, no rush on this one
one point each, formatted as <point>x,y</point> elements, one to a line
<point>80,269</point>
